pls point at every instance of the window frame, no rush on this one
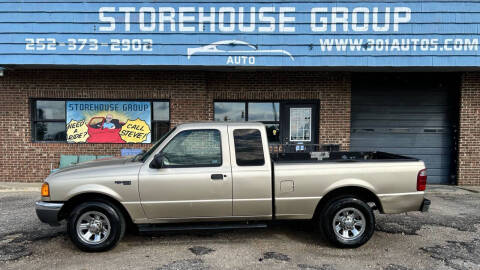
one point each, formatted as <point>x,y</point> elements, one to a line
<point>196,166</point>
<point>246,103</point>
<point>33,115</point>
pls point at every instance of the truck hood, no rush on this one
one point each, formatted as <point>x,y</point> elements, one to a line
<point>110,163</point>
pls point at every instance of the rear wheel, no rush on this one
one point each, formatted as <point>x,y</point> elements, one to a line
<point>96,226</point>
<point>347,222</point>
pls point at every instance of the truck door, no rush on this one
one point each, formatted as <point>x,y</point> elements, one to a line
<point>195,181</point>
<point>251,172</point>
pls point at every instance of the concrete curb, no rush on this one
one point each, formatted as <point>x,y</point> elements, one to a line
<point>474,189</point>
<point>451,190</point>
<point>19,187</point>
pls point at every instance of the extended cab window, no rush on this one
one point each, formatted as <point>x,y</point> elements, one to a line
<point>248,147</point>
<point>194,148</point>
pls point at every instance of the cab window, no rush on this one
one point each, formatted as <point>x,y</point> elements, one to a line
<point>248,147</point>
<point>194,148</point>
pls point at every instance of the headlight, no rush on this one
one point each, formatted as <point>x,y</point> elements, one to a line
<point>45,191</point>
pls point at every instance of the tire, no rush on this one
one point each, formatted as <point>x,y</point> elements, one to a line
<point>96,226</point>
<point>347,222</point>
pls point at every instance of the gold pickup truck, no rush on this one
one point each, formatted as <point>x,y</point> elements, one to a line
<point>222,175</point>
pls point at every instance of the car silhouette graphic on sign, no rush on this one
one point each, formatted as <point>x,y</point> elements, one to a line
<point>232,47</point>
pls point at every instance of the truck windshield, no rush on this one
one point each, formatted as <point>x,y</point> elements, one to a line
<point>143,156</point>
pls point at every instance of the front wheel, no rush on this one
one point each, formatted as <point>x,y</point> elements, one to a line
<point>347,222</point>
<point>96,226</point>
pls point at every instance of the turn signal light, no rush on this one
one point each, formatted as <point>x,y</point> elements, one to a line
<point>422,180</point>
<point>45,191</point>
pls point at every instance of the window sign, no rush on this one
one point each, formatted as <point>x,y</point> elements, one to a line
<point>300,124</point>
<point>108,122</point>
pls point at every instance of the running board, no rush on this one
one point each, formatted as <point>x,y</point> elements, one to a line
<point>195,227</point>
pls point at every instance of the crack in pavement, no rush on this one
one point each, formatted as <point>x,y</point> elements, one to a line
<point>276,256</point>
<point>396,267</point>
<point>16,245</point>
<point>316,267</point>
<point>199,250</point>
<point>188,264</point>
<point>458,255</point>
<point>411,223</point>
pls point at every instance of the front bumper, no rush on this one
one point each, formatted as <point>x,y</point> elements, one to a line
<point>425,205</point>
<point>47,212</point>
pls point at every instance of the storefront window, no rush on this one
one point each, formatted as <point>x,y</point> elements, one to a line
<point>265,112</point>
<point>230,111</point>
<point>49,120</point>
<point>269,114</point>
<point>273,132</point>
<point>50,110</point>
<point>161,111</point>
<point>161,119</point>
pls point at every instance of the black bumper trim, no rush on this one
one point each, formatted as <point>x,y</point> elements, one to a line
<point>425,205</point>
<point>48,212</point>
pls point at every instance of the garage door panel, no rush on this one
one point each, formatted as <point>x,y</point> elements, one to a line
<point>399,130</point>
<point>400,109</point>
<point>436,179</point>
<point>400,115</point>
<point>367,123</point>
<point>405,99</point>
<point>408,151</point>
<point>436,162</point>
<point>399,140</point>
<point>419,93</point>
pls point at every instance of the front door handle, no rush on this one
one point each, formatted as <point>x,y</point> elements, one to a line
<point>217,176</point>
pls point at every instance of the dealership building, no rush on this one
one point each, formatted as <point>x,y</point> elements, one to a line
<point>94,78</point>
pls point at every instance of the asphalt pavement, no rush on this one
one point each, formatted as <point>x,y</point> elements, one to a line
<point>445,238</point>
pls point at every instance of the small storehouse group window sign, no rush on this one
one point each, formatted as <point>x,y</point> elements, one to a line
<point>108,121</point>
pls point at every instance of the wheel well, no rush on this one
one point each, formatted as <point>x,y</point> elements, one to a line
<point>360,192</point>
<point>86,197</point>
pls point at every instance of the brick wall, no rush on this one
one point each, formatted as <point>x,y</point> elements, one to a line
<point>469,139</point>
<point>332,90</point>
<point>191,95</point>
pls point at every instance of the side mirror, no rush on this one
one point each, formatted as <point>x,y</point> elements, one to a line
<point>157,162</point>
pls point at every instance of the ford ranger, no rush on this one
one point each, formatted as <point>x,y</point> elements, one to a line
<point>201,174</point>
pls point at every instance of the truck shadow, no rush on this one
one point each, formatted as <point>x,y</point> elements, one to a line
<point>298,231</point>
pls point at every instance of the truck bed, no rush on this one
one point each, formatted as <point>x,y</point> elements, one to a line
<point>298,176</point>
<point>337,156</point>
